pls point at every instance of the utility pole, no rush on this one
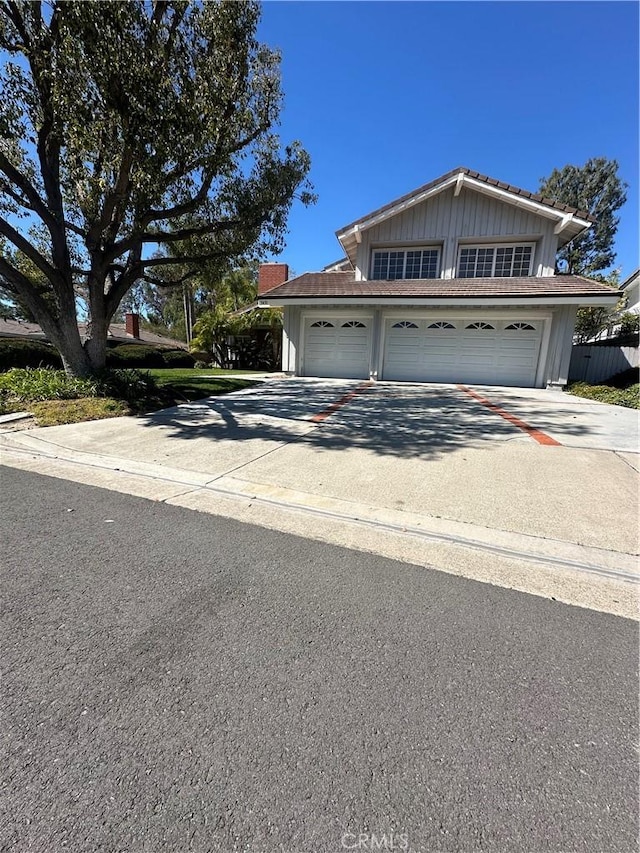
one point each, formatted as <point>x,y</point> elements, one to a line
<point>187,301</point>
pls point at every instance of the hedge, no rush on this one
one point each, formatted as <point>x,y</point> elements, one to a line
<point>142,356</point>
<point>17,352</point>
<point>178,358</point>
<point>134,355</point>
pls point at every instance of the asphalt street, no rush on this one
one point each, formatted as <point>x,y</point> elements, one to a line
<point>176,681</point>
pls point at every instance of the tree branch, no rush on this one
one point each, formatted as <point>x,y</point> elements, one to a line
<point>192,259</point>
<point>118,193</point>
<point>161,282</point>
<point>18,284</point>
<point>29,191</point>
<point>186,233</point>
<point>30,251</point>
<point>186,207</point>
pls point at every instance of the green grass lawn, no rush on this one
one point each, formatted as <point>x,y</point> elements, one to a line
<point>180,373</point>
<point>57,412</point>
<point>184,384</point>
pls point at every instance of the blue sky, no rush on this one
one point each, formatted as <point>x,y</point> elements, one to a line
<point>386,96</point>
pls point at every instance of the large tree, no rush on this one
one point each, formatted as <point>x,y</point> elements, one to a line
<point>597,189</point>
<point>135,138</point>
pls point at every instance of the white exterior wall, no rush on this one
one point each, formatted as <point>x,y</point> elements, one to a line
<point>560,346</point>
<point>448,220</point>
<point>633,297</point>
<point>290,339</point>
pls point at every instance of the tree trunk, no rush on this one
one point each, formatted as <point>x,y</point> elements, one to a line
<point>62,331</point>
<point>96,349</point>
<point>76,364</point>
<point>98,326</point>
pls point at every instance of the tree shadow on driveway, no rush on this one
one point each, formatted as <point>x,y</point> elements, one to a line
<point>405,421</point>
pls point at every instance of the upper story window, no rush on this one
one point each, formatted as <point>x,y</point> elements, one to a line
<point>390,264</point>
<point>494,261</point>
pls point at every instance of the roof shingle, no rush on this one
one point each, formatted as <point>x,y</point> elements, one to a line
<point>342,284</point>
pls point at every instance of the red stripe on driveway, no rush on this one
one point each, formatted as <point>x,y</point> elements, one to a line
<point>536,434</point>
<point>339,403</point>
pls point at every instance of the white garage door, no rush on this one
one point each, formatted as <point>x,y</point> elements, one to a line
<point>337,347</point>
<point>474,349</point>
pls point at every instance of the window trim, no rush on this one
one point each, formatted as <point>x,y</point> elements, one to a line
<point>421,248</point>
<point>525,244</point>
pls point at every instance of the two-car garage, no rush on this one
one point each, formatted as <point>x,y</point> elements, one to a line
<point>476,348</point>
<point>468,349</point>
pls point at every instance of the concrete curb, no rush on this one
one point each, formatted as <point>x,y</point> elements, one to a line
<point>14,416</point>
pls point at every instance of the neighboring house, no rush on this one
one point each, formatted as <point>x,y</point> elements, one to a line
<point>453,282</point>
<point>614,329</point>
<point>128,332</point>
<point>631,288</point>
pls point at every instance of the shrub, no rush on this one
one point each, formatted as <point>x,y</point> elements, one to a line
<point>201,365</point>
<point>628,377</point>
<point>177,358</point>
<point>134,355</point>
<point>43,383</point>
<point>20,353</point>
<point>37,384</point>
<point>629,323</point>
<point>129,385</point>
<point>628,397</point>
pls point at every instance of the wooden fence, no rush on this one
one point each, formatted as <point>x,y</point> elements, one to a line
<point>594,363</point>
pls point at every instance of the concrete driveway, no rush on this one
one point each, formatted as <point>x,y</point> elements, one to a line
<point>531,489</point>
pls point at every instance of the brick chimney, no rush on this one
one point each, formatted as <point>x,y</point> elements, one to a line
<point>132,325</point>
<point>270,276</point>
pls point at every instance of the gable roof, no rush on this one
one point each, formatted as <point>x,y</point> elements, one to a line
<point>326,286</point>
<point>630,280</point>
<point>570,220</point>
<point>343,265</point>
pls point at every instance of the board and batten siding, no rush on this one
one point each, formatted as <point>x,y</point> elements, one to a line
<point>290,339</point>
<point>560,342</point>
<point>449,220</point>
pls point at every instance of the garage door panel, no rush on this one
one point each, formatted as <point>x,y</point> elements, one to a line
<point>356,345</point>
<point>403,349</point>
<point>337,348</point>
<point>485,345</point>
<point>477,349</point>
<point>320,344</point>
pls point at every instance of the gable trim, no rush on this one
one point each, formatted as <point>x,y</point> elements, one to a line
<point>459,179</point>
<point>527,203</point>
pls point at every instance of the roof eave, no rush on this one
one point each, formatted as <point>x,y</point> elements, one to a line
<point>582,299</point>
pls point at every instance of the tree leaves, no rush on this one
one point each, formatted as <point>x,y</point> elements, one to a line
<point>136,127</point>
<point>594,188</point>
